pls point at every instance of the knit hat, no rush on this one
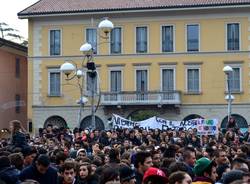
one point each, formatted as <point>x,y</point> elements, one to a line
<point>126,174</point>
<point>201,165</point>
<point>155,172</point>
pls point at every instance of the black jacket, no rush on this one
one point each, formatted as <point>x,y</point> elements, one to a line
<point>138,177</point>
<point>9,175</point>
<point>90,180</point>
<point>31,172</point>
<point>19,140</point>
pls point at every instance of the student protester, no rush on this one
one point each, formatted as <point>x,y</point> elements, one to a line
<point>110,176</point>
<point>16,159</point>
<point>234,175</point>
<point>179,177</point>
<point>8,173</point>
<point>142,161</point>
<point>189,158</point>
<point>205,171</point>
<point>29,154</point>
<point>40,171</point>
<point>240,164</point>
<point>156,158</point>
<point>154,176</point>
<point>127,175</point>
<point>232,124</point>
<point>18,135</point>
<point>220,157</point>
<point>221,170</point>
<point>68,173</point>
<point>84,175</point>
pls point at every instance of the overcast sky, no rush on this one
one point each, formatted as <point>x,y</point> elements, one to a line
<point>8,14</point>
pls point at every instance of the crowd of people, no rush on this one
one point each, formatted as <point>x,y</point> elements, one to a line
<point>123,156</point>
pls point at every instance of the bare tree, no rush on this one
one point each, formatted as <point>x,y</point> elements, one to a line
<point>9,33</point>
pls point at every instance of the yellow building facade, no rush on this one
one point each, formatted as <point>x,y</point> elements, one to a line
<point>167,60</point>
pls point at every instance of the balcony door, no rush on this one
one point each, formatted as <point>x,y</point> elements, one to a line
<point>141,84</point>
<point>115,84</point>
<point>168,83</point>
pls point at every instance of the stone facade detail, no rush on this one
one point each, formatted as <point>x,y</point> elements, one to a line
<point>37,65</point>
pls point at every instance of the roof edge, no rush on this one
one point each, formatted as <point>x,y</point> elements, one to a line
<point>4,42</point>
<point>28,7</point>
<point>117,10</point>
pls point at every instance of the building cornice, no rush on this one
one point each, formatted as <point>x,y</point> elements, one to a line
<point>23,15</point>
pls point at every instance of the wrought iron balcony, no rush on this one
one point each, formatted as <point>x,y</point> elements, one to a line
<point>141,98</point>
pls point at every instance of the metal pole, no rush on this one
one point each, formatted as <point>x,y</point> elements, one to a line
<point>81,102</point>
<point>229,99</point>
<point>80,114</point>
<point>92,102</point>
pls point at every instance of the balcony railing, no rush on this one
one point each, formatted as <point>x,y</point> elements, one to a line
<point>140,98</point>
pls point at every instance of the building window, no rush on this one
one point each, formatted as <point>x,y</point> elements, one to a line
<point>115,84</point>
<point>142,84</point>
<point>115,81</point>
<point>54,82</point>
<point>193,37</point>
<point>55,42</point>
<point>92,83</point>
<point>167,79</point>
<point>235,80</point>
<point>91,38</point>
<point>115,43</point>
<point>167,39</point>
<point>141,40</point>
<point>17,67</point>
<point>193,80</point>
<point>18,103</point>
<point>233,36</point>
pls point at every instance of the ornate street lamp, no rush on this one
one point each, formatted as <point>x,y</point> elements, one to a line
<point>68,68</point>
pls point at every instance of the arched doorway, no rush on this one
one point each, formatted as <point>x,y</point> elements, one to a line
<point>192,116</point>
<point>86,123</point>
<point>241,122</point>
<point>55,121</point>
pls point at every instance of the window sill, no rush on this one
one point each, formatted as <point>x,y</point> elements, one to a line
<point>54,55</point>
<point>236,50</point>
<point>54,95</point>
<point>192,93</point>
<point>167,52</point>
<point>235,92</point>
<point>115,54</point>
<point>193,51</point>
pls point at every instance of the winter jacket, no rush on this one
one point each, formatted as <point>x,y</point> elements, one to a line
<point>9,175</point>
<point>19,140</point>
<point>31,172</point>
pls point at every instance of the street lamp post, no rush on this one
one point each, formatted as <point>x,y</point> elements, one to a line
<point>68,68</point>
<point>228,70</point>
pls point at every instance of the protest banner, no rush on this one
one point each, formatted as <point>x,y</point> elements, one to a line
<point>204,126</point>
<point>207,127</point>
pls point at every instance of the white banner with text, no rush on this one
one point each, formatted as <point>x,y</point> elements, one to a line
<point>204,126</point>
